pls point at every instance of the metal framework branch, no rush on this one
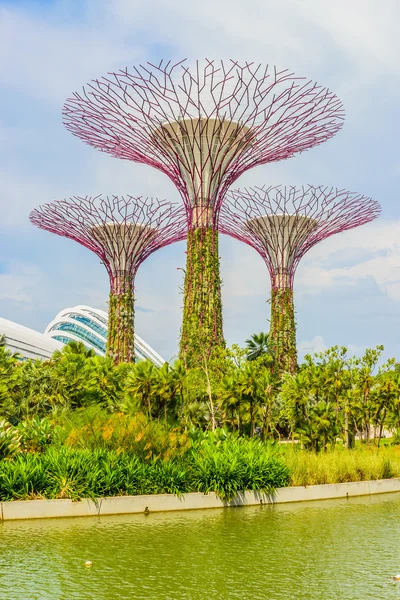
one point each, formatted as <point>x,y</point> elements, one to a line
<point>203,125</point>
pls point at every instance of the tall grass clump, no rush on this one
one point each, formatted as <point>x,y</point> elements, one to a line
<point>228,464</point>
<point>222,463</point>
<point>95,428</point>
<point>67,473</point>
<point>341,466</point>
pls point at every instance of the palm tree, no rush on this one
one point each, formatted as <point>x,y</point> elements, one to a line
<point>323,424</point>
<point>8,377</point>
<point>73,348</point>
<point>167,384</point>
<point>142,383</point>
<point>258,345</point>
<point>251,391</point>
<point>179,375</point>
<point>106,381</point>
<point>230,398</point>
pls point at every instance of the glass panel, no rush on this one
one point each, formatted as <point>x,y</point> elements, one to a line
<point>89,323</point>
<point>82,334</point>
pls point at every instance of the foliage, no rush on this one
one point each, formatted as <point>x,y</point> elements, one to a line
<point>228,464</point>
<point>330,397</point>
<point>202,307</point>
<point>258,345</point>
<point>121,335</point>
<point>341,466</point>
<point>282,336</point>
<point>35,434</point>
<point>9,440</point>
<point>333,396</point>
<point>94,428</point>
<point>63,472</point>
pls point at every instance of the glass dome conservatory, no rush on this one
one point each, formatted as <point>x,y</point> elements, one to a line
<point>89,325</point>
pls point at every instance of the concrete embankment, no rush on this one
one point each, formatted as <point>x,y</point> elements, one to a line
<point>45,509</point>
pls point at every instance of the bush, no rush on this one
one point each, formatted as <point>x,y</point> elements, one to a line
<point>341,466</point>
<point>95,428</point>
<point>9,440</point>
<point>227,464</point>
<point>226,467</point>
<point>67,473</point>
<point>36,434</point>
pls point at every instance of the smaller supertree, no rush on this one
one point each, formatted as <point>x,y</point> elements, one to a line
<point>282,224</point>
<point>123,232</point>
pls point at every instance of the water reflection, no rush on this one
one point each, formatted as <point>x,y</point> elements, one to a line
<point>342,549</point>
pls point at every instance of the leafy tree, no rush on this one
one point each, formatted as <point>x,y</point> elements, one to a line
<point>141,384</point>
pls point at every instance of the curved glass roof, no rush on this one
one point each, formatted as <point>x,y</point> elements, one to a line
<point>89,325</point>
<point>81,333</point>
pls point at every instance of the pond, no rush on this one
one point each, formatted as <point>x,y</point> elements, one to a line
<point>331,550</point>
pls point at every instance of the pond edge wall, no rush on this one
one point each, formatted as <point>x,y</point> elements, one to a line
<point>119,505</point>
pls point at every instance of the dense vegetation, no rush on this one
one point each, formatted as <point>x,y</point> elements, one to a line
<point>202,304</point>
<point>78,425</point>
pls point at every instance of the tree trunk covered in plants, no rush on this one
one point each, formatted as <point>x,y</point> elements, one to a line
<point>282,334</point>
<point>121,335</point>
<point>202,309</point>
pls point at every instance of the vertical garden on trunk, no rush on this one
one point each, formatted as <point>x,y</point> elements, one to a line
<point>282,334</point>
<point>121,315</point>
<point>202,308</point>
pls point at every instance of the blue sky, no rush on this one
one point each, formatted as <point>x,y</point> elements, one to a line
<point>347,288</point>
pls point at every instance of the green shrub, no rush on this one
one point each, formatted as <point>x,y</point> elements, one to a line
<point>35,434</point>
<point>9,440</point>
<point>226,467</point>
<point>227,464</point>
<point>341,466</point>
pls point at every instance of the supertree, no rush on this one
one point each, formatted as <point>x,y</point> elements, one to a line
<point>203,126</point>
<point>282,224</point>
<point>123,232</point>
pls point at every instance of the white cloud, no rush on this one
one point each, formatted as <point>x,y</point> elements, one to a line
<point>19,283</point>
<point>318,344</point>
<point>309,347</point>
<point>377,248</point>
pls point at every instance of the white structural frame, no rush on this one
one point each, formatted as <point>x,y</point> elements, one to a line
<point>27,342</point>
<point>99,319</point>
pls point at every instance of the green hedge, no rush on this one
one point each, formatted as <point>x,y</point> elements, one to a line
<point>62,472</point>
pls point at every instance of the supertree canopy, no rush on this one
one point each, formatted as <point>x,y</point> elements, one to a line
<point>203,125</point>
<point>282,224</point>
<point>123,232</point>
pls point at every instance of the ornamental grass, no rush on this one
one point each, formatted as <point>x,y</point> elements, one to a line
<point>341,466</point>
<point>222,466</point>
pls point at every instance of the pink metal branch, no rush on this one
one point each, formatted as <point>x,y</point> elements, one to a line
<point>203,125</point>
<point>122,231</point>
<point>283,223</point>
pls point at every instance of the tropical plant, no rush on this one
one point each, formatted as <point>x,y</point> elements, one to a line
<point>9,440</point>
<point>35,434</point>
<point>258,345</point>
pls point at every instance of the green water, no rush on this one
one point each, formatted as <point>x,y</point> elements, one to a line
<point>332,550</point>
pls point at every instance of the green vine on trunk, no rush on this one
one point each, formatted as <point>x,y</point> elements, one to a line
<point>121,333</point>
<point>202,310</point>
<point>283,330</point>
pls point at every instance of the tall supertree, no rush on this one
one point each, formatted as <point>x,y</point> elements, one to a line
<point>123,232</point>
<point>282,224</point>
<point>203,126</point>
